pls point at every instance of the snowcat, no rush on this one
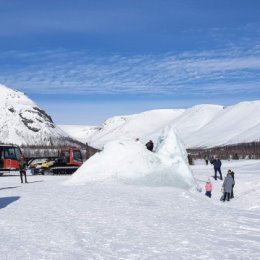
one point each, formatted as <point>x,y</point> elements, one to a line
<point>9,158</point>
<point>67,162</point>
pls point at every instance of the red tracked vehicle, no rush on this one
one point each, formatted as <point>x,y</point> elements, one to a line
<point>9,158</point>
<point>67,161</point>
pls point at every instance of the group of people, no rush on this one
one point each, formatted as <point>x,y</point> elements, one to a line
<point>228,184</point>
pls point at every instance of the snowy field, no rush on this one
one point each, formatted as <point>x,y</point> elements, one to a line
<point>46,219</point>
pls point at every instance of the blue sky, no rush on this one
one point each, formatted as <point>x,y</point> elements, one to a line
<point>84,61</point>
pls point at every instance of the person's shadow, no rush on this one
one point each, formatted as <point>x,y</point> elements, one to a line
<point>7,188</point>
<point>5,201</point>
<point>34,181</point>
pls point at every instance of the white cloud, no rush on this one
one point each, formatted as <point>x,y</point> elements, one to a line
<point>229,70</point>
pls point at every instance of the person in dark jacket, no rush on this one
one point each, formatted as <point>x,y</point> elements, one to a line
<point>227,185</point>
<point>217,167</point>
<point>206,159</point>
<point>22,167</point>
<point>233,176</point>
<point>149,145</point>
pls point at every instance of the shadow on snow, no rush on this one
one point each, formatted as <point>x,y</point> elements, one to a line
<point>5,201</point>
<point>34,181</point>
<point>7,188</point>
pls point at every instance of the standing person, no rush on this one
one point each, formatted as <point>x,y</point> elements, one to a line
<point>233,176</point>
<point>190,159</point>
<point>227,185</point>
<point>208,188</point>
<point>149,145</point>
<point>206,159</point>
<point>217,167</point>
<point>22,165</point>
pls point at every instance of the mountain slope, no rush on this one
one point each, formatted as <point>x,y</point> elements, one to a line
<point>82,132</point>
<point>196,118</point>
<point>23,122</point>
<point>140,126</point>
<point>200,126</point>
<point>230,126</point>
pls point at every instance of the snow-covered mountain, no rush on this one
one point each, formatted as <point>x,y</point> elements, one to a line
<point>234,124</point>
<point>82,132</point>
<point>134,126</point>
<point>23,122</point>
<point>200,126</point>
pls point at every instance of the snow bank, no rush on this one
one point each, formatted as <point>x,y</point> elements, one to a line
<point>130,162</point>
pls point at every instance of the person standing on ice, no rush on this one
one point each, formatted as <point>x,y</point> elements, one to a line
<point>149,145</point>
<point>22,165</point>
<point>217,167</point>
<point>208,188</point>
<point>227,185</point>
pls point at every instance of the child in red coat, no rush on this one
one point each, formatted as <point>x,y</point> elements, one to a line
<point>208,188</point>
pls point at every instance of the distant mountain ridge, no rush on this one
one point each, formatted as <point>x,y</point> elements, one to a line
<point>201,126</point>
<point>22,122</point>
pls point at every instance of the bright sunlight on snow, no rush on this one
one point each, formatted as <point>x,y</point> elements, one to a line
<point>46,220</point>
<point>129,161</point>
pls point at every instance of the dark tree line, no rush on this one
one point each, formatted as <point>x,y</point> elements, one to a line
<point>236,151</point>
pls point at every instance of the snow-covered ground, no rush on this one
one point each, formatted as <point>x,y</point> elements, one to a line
<point>46,219</point>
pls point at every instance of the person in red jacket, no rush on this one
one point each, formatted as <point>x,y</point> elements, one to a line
<point>208,188</point>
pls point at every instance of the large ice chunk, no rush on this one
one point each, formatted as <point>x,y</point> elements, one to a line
<point>129,161</point>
